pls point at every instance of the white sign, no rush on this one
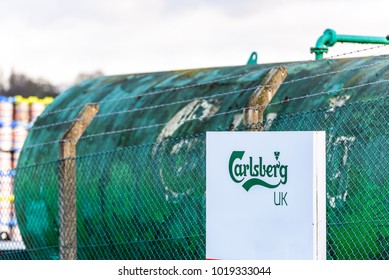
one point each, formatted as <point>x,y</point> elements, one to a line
<point>265,195</point>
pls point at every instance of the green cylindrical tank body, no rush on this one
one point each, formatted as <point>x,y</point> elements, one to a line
<point>141,162</point>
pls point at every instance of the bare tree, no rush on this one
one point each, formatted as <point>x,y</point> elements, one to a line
<point>85,76</point>
<point>20,84</point>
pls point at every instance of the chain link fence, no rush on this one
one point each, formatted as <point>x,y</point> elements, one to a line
<point>148,201</point>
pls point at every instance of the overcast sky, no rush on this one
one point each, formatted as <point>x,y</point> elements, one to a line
<point>58,39</point>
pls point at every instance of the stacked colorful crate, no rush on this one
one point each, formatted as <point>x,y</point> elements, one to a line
<point>6,190</point>
<point>6,205</point>
<point>22,110</point>
<point>20,126</point>
<point>17,115</point>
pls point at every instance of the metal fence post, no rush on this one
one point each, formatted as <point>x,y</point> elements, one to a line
<point>253,112</point>
<point>67,181</point>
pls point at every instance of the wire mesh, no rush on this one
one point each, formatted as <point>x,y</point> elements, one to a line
<point>148,201</point>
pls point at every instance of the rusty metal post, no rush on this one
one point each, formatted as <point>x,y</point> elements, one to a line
<point>67,182</point>
<point>253,115</point>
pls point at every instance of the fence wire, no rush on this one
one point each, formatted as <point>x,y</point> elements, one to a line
<point>148,202</point>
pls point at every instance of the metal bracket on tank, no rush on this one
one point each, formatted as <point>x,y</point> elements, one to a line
<point>253,58</point>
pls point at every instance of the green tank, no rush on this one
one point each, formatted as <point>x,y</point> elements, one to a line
<point>141,162</point>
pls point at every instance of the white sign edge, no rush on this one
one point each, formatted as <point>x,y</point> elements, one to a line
<point>319,168</point>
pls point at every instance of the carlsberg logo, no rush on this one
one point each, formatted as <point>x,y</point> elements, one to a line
<point>254,171</point>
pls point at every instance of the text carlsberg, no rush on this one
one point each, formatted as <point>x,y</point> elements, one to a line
<point>253,172</point>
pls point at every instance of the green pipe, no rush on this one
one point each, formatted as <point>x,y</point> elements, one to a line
<point>362,39</point>
<point>330,38</point>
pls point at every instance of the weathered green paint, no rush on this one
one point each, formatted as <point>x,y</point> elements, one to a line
<point>330,38</point>
<point>114,187</point>
<point>121,87</point>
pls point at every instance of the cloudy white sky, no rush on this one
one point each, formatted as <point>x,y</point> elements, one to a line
<point>57,39</point>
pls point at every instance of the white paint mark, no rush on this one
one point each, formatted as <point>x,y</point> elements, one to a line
<point>338,101</point>
<point>196,109</point>
<point>346,142</point>
<point>238,119</point>
<point>170,194</point>
<point>269,120</point>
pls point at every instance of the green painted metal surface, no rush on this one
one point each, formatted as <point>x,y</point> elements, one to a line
<point>140,169</point>
<point>330,38</point>
<point>167,93</point>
